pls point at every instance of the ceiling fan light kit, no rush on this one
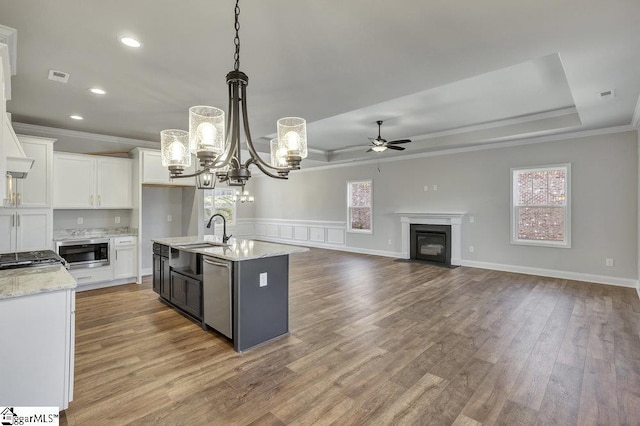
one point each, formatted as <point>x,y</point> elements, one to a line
<point>380,144</point>
<point>216,142</point>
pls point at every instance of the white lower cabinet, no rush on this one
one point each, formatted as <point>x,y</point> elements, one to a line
<point>26,229</point>
<point>37,364</point>
<point>124,257</point>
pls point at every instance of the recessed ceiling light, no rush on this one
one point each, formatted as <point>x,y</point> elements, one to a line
<point>130,41</point>
<point>76,117</point>
<point>97,91</point>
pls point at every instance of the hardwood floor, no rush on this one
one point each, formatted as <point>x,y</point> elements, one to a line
<point>373,341</point>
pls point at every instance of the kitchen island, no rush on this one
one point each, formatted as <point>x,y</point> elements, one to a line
<point>37,310</point>
<point>240,289</point>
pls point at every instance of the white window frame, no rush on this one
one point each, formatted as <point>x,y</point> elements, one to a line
<point>353,230</point>
<point>214,193</point>
<point>566,243</point>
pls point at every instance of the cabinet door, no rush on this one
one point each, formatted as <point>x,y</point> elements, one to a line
<point>7,230</point>
<point>124,262</point>
<point>157,273</point>
<point>194,297</point>
<point>155,174</point>
<point>114,183</point>
<point>178,290</point>
<point>35,190</point>
<point>74,181</point>
<point>165,282</point>
<point>34,229</point>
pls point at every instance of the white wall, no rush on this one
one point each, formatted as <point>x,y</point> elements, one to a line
<point>604,201</point>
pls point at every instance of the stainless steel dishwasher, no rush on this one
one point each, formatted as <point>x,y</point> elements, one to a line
<point>216,292</point>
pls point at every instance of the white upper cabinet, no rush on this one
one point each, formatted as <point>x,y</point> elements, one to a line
<point>89,182</point>
<point>35,190</point>
<point>154,173</point>
<point>114,183</point>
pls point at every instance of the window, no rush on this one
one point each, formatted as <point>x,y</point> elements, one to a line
<point>541,206</point>
<point>220,200</point>
<point>360,206</point>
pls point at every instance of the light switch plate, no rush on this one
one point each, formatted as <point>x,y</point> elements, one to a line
<point>263,279</point>
<point>117,219</point>
<point>80,221</point>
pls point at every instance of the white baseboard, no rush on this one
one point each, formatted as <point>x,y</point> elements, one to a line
<point>104,284</point>
<point>147,271</point>
<point>567,275</point>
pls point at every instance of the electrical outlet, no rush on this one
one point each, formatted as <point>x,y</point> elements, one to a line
<point>609,261</point>
<point>169,218</point>
<point>117,219</point>
<point>435,187</point>
<point>426,188</point>
<point>263,279</point>
<point>80,221</point>
<point>472,249</point>
<point>472,219</point>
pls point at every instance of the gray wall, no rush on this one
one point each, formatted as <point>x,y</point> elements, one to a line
<point>68,219</point>
<point>604,201</point>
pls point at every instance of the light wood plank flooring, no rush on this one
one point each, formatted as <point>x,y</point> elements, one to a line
<point>373,341</point>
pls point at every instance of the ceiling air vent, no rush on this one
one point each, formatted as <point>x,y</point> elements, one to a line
<point>60,76</point>
<point>607,94</point>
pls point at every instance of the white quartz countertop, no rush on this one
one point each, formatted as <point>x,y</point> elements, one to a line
<point>84,234</point>
<point>237,250</point>
<point>25,281</point>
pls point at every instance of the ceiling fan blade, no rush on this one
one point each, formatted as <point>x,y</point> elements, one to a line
<point>397,148</point>
<point>399,141</point>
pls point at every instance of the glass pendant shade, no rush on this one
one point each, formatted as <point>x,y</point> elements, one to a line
<point>206,130</point>
<point>174,145</point>
<point>292,133</point>
<point>278,154</point>
<point>379,148</point>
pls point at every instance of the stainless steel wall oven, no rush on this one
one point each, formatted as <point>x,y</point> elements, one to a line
<point>84,253</point>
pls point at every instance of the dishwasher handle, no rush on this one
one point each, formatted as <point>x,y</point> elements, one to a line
<point>213,262</point>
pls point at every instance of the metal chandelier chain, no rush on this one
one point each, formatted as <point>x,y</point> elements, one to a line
<point>236,40</point>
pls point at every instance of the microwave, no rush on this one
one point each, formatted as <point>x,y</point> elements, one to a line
<point>84,253</point>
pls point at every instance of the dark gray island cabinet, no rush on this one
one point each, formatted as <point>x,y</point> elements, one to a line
<point>240,290</point>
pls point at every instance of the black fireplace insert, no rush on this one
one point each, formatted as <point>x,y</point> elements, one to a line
<point>431,243</point>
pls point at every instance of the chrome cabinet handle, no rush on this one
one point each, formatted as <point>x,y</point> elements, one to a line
<point>13,220</point>
<point>18,219</point>
<point>99,200</point>
<point>91,200</point>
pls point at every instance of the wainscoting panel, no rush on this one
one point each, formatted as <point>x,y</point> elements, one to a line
<point>300,233</point>
<point>316,234</point>
<point>322,233</point>
<point>286,231</point>
<point>335,236</point>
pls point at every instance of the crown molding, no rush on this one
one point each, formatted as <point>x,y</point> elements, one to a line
<point>496,145</point>
<point>54,131</point>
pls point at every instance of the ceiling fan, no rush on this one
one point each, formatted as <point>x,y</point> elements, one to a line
<point>379,144</point>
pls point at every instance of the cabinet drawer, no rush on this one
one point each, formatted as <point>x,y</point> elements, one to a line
<point>92,275</point>
<point>124,241</point>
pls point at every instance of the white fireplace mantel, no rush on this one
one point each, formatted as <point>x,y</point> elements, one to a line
<point>453,219</point>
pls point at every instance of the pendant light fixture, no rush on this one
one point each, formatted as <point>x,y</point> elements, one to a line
<point>216,142</point>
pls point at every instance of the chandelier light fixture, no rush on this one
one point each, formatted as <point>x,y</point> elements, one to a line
<point>216,142</point>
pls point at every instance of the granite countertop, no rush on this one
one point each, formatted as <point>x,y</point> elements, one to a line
<point>25,281</point>
<point>81,234</point>
<point>237,249</point>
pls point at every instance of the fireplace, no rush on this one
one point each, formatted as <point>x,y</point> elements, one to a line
<point>453,220</point>
<point>431,243</point>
